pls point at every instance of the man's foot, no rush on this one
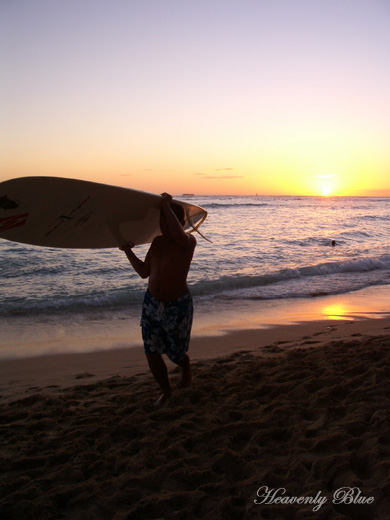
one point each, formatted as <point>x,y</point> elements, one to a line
<point>160,373</point>
<point>162,400</point>
<point>186,376</point>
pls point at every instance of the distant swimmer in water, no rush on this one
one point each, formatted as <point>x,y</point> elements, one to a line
<point>333,243</point>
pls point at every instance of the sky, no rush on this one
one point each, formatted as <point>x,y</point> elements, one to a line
<point>270,97</point>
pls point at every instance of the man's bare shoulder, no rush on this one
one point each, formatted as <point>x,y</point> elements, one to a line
<point>187,239</point>
<point>191,239</point>
<point>157,240</point>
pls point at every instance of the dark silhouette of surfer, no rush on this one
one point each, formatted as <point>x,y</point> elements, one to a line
<point>167,309</point>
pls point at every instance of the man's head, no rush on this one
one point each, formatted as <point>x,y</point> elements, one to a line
<point>178,211</point>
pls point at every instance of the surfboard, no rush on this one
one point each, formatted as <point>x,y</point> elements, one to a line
<point>71,213</point>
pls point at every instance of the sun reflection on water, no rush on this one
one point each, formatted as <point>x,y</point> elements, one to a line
<point>336,311</point>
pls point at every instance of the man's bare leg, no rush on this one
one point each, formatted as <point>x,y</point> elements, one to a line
<point>160,372</point>
<point>186,376</point>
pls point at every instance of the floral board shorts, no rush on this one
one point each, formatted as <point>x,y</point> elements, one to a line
<point>166,326</point>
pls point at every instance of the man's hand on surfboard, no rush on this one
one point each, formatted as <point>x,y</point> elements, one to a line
<point>166,197</point>
<point>129,245</point>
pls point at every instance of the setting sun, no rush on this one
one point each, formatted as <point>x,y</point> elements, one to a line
<point>326,184</point>
<point>326,191</point>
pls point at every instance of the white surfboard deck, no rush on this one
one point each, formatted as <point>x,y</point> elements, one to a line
<point>70,213</point>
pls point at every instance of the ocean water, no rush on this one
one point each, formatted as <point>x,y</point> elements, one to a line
<point>263,249</point>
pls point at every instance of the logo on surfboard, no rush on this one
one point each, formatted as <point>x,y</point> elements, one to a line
<point>13,222</point>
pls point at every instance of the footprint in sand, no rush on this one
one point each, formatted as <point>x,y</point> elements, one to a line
<point>84,375</point>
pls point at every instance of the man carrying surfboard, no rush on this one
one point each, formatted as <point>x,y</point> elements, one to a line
<point>167,309</point>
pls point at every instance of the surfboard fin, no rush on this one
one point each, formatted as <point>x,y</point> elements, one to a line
<point>199,233</point>
<point>195,228</point>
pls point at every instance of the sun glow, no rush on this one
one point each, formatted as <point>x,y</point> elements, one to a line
<point>326,184</point>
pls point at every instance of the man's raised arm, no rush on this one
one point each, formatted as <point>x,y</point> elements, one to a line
<point>142,268</point>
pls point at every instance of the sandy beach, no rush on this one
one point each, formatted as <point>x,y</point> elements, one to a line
<point>287,422</point>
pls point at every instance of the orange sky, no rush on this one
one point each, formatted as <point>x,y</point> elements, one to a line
<point>209,98</point>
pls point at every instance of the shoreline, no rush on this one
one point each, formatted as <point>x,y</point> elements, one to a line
<point>79,333</point>
<point>253,326</point>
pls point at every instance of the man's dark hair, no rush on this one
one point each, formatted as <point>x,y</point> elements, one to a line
<point>178,211</point>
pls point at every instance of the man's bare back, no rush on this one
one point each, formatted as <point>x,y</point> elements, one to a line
<point>169,257</point>
<point>170,261</point>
